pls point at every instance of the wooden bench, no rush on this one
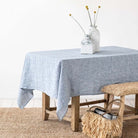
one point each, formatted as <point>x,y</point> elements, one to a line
<point>122,90</point>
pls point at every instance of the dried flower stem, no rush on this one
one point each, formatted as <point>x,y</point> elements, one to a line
<point>89,15</point>
<point>90,18</point>
<point>78,24</point>
<point>96,15</point>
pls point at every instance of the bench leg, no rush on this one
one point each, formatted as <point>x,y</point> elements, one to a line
<point>45,105</point>
<point>136,104</point>
<point>106,97</point>
<point>75,107</point>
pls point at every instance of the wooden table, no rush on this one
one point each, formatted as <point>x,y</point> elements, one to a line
<point>63,74</point>
<point>75,109</point>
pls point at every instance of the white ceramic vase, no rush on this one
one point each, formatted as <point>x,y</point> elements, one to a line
<point>91,42</point>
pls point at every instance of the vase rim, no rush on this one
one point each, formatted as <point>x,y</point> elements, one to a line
<point>93,26</point>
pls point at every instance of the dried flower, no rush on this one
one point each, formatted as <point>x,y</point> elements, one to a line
<point>96,13</point>
<point>89,15</point>
<point>99,6</point>
<point>77,23</point>
<point>87,7</point>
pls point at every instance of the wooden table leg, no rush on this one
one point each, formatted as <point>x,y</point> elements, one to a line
<point>75,107</point>
<point>45,105</point>
<point>136,104</point>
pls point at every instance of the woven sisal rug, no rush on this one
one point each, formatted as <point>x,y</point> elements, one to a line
<point>27,123</point>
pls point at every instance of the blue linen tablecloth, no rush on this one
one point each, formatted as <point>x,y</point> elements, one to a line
<point>63,74</point>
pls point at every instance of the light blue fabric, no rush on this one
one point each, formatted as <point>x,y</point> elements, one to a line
<point>63,74</point>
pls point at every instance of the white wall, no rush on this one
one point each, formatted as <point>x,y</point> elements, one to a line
<point>31,25</point>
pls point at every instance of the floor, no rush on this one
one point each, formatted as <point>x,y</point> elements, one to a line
<point>27,123</point>
<point>44,127</point>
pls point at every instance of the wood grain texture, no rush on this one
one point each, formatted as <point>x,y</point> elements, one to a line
<point>130,117</point>
<point>83,104</point>
<point>106,97</point>
<point>136,104</point>
<point>45,105</point>
<point>75,113</point>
